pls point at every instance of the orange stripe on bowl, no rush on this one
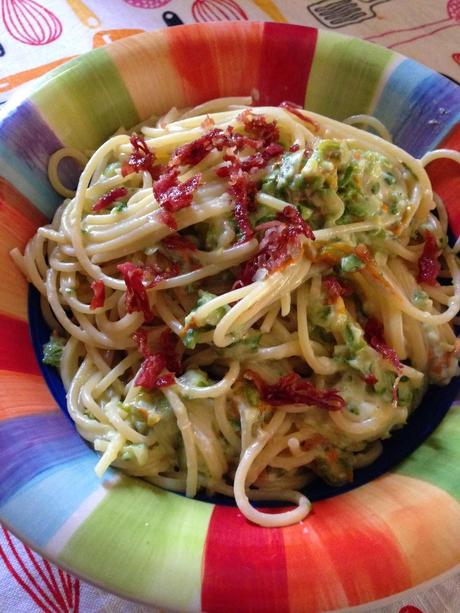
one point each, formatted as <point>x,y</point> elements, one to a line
<point>231,60</point>
<point>340,555</point>
<point>423,518</point>
<point>10,196</point>
<point>24,394</point>
<point>17,353</point>
<point>445,178</point>
<point>18,221</point>
<point>163,88</point>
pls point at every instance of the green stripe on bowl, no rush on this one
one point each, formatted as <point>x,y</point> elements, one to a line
<point>345,75</point>
<point>438,458</point>
<point>138,522</point>
<point>92,92</point>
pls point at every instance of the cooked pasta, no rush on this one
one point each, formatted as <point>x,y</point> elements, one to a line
<point>244,298</point>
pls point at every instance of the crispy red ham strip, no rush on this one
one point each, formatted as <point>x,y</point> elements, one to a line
<point>293,389</point>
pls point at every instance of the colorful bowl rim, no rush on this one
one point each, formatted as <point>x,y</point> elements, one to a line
<point>356,548</point>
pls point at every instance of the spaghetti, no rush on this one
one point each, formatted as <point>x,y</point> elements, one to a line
<point>246,298</point>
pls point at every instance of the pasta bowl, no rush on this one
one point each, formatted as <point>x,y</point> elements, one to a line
<point>356,547</point>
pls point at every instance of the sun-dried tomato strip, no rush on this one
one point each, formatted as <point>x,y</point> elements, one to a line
<point>150,370</point>
<point>279,246</point>
<point>153,274</point>
<point>173,195</point>
<point>141,159</point>
<point>138,279</point>
<point>428,264</point>
<point>109,198</point>
<point>373,333</point>
<point>261,158</point>
<point>98,298</point>
<point>176,242</point>
<point>296,224</point>
<point>149,375</point>
<point>243,190</point>
<point>136,298</point>
<point>335,288</point>
<point>258,127</point>
<point>193,153</point>
<point>370,379</point>
<point>295,109</point>
<point>293,389</point>
<point>165,380</point>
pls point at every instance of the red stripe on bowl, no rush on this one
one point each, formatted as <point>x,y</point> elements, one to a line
<point>244,564</point>
<point>17,353</point>
<point>445,178</point>
<point>287,56</point>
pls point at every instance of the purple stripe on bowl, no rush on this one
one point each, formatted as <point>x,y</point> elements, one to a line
<point>33,444</point>
<point>25,134</point>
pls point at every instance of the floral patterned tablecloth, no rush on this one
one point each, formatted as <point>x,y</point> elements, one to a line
<point>38,35</point>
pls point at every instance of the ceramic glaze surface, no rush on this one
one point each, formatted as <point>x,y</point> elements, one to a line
<point>156,546</point>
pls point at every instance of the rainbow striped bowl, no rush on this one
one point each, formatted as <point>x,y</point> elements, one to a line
<point>391,534</point>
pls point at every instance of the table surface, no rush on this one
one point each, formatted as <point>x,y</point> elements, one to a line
<point>424,30</point>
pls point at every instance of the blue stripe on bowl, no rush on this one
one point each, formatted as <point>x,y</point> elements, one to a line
<point>61,490</point>
<point>34,444</point>
<point>418,107</point>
